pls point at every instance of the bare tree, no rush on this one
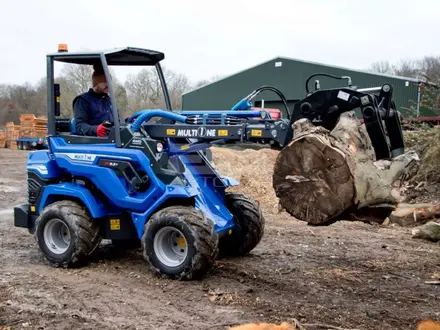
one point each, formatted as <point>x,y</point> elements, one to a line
<point>122,101</point>
<point>145,89</point>
<point>139,88</point>
<point>427,69</point>
<point>382,67</point>
<point>78,76</point>
<point>203,82</point>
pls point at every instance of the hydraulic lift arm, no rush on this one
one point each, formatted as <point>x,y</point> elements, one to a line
<point>190,131</point>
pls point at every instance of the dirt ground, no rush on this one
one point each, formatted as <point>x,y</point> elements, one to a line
<point>351,275</point>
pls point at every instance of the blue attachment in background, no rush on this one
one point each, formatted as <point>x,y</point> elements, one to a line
<point>242,105</point>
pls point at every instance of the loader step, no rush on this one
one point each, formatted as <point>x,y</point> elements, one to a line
<point>23,218</point>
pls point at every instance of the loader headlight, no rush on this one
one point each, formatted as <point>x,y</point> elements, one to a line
<point>159,147</point>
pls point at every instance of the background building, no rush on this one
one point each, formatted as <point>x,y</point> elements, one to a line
<point>289,76</point>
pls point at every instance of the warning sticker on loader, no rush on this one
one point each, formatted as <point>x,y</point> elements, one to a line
<point>343,95</point>
<point>171,131</point>
<point>256,132</point>
<point>115,224</point>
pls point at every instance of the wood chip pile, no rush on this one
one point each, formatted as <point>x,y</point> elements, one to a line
<point>253,169</point>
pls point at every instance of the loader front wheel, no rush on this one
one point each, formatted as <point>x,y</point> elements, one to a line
<point>66,235</point>
<point>180,243</point>
<point>249,226</point>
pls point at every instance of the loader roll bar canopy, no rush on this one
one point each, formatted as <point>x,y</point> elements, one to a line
<point>126,56</point>
<point>117,56</point>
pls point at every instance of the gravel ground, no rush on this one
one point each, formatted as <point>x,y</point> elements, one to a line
<point>350,275</point>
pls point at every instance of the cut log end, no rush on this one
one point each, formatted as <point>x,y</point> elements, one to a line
<point>321,176</point>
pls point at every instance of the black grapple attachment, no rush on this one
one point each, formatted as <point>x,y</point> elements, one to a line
<point>324,107</point>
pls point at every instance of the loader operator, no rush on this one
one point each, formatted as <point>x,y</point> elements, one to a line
<point>92,108</point>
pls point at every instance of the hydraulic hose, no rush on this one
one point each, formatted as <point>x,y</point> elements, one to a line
<point>326,75</point>
<point>135,115</point>
<point>148,114</point>
<point>276,91</point>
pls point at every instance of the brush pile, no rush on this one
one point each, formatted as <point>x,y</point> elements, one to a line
<point>426,142</point>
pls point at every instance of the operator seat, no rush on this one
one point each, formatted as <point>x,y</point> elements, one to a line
<point>72,128</point>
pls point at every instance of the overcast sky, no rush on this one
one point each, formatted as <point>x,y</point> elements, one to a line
<point>204,38</point>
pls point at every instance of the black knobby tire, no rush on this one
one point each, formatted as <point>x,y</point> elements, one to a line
<point>199,234</point>
<point>84,233</point>
<point>249,228</point>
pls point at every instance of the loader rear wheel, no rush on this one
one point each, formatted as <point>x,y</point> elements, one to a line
<point>249,228</point>
<point>180,243</point>
<point>66,235</point>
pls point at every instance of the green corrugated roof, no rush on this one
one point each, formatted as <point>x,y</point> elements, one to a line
<point>289,75</point>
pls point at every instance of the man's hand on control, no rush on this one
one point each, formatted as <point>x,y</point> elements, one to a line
<point>103,129</point>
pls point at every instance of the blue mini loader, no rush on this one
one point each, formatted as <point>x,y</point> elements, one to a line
<point>151,184</point>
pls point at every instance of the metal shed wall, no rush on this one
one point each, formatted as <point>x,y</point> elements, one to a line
<point>289,75</point>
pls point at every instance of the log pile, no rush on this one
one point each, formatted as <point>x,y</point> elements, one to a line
<point>32,127</point>
<point>324,176</point>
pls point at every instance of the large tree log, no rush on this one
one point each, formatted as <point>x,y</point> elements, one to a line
<point>322,176</point>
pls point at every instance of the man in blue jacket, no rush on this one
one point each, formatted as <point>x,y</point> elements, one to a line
<point>92,108</point>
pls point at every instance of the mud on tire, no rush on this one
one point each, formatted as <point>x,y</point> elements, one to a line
<point>66,235</point>
<point>249,229</point>
<point>180,242</point>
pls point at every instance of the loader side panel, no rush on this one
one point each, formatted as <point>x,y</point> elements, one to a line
<point>42,171</point>
<point>40,162</point>
<point>83,161</point>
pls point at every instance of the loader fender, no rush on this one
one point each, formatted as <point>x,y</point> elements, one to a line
<point>69,190</point>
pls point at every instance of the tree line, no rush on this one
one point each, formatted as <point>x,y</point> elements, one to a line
<point>143,90</point>
<point>426,69</point>
<point>139,91</point>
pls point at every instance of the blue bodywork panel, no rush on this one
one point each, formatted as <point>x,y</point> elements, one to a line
<point>202,182</point>
<point>41,162</point>
<point>95,206</point>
